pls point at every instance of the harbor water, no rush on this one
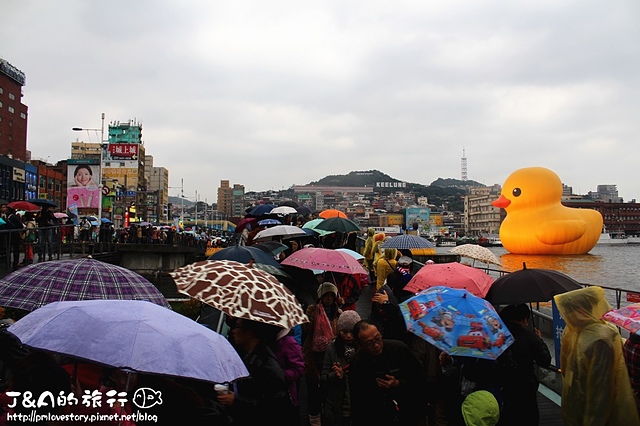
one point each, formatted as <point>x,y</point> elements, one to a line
<point>615,266</point>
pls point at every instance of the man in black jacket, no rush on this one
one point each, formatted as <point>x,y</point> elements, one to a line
<point>385,380</point>
<point>14,223</point>
<point>521,384</point>
<point>263,397</point>
<point>45,220</point>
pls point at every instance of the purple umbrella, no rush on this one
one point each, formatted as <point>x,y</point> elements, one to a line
<point>84,278</point>
<point>131,334</point>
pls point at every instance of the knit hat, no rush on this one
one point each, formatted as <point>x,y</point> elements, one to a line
<point>347,320</point>
<point>327,288</point>
<point>405,261</point>
<point>480,408</point>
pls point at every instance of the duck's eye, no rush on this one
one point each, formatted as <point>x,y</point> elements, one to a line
<point>517,192</point>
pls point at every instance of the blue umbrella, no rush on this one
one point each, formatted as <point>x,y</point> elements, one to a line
<point>261,209</point>
<point>267,222</point>
<point>407,242</point>
<point>456,322</point>
<point>42,202</point>
<point>131,334</point>
<point>105,220</point>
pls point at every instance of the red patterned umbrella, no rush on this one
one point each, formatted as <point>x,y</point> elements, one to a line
<point>453,275</point>
<point>324,259</point>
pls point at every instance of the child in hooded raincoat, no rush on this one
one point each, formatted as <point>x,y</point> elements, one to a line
<point>596,388</point>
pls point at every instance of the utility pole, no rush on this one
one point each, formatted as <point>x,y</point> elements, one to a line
<point>182,201</point>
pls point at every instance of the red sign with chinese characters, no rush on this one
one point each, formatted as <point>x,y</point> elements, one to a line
<point>123,150</point>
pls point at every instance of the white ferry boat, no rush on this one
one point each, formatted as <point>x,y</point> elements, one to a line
<point>612,238</point>
<point>633,239</point>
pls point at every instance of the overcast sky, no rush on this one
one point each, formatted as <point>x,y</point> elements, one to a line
<point>273,93</point>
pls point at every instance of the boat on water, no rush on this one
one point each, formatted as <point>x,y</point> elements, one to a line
<point>612,238</point>
<point>633,239</point>
<point>490,241</point>
<point>446,242</point>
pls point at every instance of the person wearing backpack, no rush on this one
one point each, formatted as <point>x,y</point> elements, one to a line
<point>520,405</point>
<point>315,342</point>
<point>401,277</point>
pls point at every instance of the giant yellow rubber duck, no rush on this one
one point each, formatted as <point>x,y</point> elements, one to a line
<point>537,223</point>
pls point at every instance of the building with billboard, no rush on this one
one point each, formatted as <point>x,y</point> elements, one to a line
<point>420,217</point>
<point>123,165</point>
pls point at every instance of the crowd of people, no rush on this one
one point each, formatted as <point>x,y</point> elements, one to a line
<point>30,237</point>
<point>362,366</point>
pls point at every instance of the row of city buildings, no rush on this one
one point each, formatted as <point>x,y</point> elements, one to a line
<point>400,209</point>
<point>110,177</point>
<point>114,178</point>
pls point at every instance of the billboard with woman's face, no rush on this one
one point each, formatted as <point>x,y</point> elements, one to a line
<point>83,185</point>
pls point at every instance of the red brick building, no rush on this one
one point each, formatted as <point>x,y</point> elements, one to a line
<point>13,113</point>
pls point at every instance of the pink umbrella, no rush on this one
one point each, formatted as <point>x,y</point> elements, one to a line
<point>453,275</point>
<point>60,215</point>
<point>324,259</point>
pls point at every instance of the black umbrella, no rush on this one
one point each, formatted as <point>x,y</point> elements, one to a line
<point>303,210</point>
<point>290,203</point>
<point>245,254</point>
<point>530,285</point>
<point>272,247</point>
<point>338,224</point>
<point>42,202</point>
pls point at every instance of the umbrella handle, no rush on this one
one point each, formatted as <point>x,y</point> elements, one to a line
<point>220,321</point>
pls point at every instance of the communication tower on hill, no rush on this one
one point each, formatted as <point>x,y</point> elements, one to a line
<point>463,166</point>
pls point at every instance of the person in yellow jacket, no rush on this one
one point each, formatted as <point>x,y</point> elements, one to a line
<point>596,388</point>
<point>368,253</point>
<point>385,266</point>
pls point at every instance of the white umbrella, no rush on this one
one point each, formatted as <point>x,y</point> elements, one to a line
<point>476,252</point>
<point>283,231</point>
<point>283,210</point>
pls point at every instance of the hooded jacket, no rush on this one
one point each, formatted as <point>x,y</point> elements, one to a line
<point>368,244</point>
<point>596,388</point>
<point>480,408</point>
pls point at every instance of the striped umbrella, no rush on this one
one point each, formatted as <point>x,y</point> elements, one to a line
<point>407,242</point>
<point>84,278</point>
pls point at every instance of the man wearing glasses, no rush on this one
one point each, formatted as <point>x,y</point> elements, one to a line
<point>385,380</point>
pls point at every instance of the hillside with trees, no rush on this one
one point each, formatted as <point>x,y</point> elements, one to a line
<point>448,193</point>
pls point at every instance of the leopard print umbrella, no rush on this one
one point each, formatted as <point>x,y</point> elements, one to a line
<point>240,291</point>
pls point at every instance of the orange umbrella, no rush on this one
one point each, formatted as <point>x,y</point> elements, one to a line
<point>325,214</point>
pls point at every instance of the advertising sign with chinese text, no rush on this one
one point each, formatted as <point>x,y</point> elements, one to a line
<point>117,151</point>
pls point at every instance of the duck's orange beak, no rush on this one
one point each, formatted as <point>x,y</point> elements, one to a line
<point>501,202</point>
